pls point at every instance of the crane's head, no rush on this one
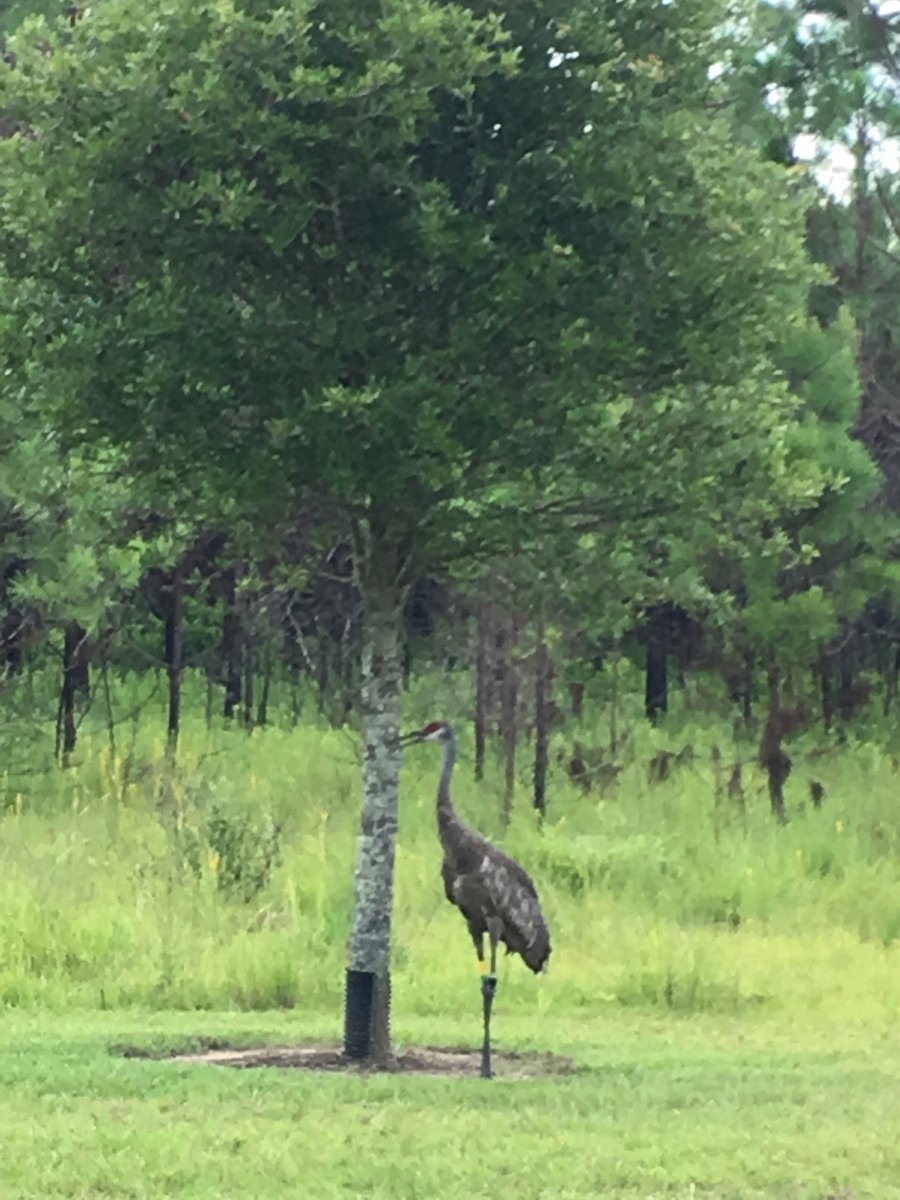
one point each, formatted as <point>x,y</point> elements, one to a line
<point>435,731</point>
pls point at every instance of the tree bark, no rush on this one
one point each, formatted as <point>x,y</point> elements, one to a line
<point>826,689</point>
<point>772,755</point>
<point>174,626</point>
<point>75,677</point>
<point>249,682</point>
<point>509,711</point>
<point>481,687</point>
<point>373,883</point>
<point>890,691</point>
<point>231,652</point>
<point>262,709</point>
<point>656,702</point>
<point>541,721</point>
<point>107,697</point>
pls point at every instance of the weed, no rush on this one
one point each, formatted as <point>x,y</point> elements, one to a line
<point>243,852</point>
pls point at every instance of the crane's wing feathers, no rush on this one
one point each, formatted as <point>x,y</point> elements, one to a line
<point>514,898</point>
<point>484,882</point>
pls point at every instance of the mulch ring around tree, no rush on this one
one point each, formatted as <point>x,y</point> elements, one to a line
<point>413,1060</point>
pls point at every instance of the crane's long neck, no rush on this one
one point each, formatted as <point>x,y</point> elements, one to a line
<point>445,810</point>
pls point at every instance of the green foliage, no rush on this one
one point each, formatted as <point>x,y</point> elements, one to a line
<point>312,254</point>
<point>244,852</point>
<point>225,885</point>
<point>13,13</point>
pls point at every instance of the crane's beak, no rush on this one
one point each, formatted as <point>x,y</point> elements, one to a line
<point>409,739</point>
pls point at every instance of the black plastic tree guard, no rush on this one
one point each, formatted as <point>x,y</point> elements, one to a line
<point>358,1007</point>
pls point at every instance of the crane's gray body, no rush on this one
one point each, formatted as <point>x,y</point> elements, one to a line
<point>491,890</point>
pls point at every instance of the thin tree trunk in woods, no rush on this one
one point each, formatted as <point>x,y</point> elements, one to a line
<point>367,1013</point>
<point>747,686</point>
<point>890,691</point>
<point>407,665</point>
<point>174,631</point>
<point>336,709</point>
<point>718,789</point>
<point>849,668</point>
<point>576,694</point>
<point>773,757</point>
<point>481,687</point>
<point>614,708</point>
<point>826,689</point>
<point>656,702</point>
<point>80,658</point>
<point>542,685</point>
<point>509,708</point>
<point>262,709</point>
<point>322,674</point>
<point>74,675</point>
<point>231,652</point>
<point>107,699</point>
<point>848,665</point>
<point>249,682</point>
<point>296,697</point>
<point>348,668</point>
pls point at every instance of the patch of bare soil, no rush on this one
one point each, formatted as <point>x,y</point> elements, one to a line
<point>422,1060</point>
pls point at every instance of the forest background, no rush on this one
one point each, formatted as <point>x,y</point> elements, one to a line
<point>535,371</point>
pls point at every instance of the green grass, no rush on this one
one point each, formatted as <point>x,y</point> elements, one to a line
<point>730,987</point>
<point>706,1107</point>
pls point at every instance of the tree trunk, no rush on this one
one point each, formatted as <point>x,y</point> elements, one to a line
<point>249,683</point>
<point>349,649</point>
<point>890,691</point>
<point>576,694</point>
<point>208,711</point>
<point>297,683</point>
<point>262,709</point>
<point>407,662</point>
<point>367,1013</point>
<point>107,698</point>
<point>174,624</point>
<point>656,702</point>
<point>542,685</point>
<point>772,754</point>
<point>509,710</point>
<point>746,685</point>
<point>75,677</point>
<point>481,687</point>
<point>231,653</point>
<point>322,671</point>
<point>826,689</point>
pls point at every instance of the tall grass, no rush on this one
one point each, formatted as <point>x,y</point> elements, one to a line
<point>226,882</point>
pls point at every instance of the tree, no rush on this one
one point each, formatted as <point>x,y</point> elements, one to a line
<point>389,261</point>
<point>820,82</point>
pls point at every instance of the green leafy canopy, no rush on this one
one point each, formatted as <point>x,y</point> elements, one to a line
<point>397,254</point>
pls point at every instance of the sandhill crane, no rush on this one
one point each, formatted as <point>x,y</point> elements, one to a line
<point>491,890</point>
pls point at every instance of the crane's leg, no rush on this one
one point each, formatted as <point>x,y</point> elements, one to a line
<point>488,990</point>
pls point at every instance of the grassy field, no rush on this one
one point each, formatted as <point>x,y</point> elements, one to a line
<point>663,1106</point>
<point>727,988</point>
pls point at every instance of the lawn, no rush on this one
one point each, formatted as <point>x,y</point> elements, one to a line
<point>677,1107</point>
